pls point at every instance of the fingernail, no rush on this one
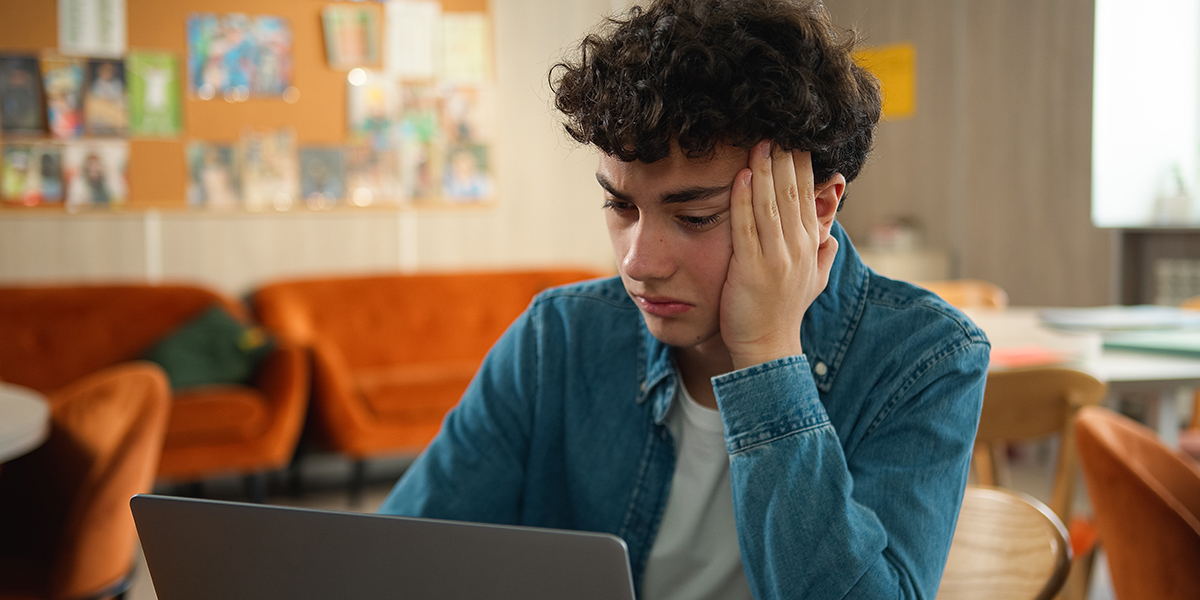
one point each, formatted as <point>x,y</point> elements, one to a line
<point>765,149</point>
<point>746,178</point>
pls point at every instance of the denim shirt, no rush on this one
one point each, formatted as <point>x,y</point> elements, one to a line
<point>848,463</point>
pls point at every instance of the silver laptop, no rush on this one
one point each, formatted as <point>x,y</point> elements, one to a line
<point>209,550</point>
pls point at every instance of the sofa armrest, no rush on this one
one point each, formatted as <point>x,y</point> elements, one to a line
<point>283,377</point>
<point>339,410</point>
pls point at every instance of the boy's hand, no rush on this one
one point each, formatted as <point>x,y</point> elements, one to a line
<point>779,265</point>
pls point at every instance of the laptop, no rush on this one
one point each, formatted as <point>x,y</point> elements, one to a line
<point>211,550</point>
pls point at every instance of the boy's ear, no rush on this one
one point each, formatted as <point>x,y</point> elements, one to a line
<point>829,194</point>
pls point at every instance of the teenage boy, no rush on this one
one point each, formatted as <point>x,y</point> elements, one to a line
<point>754,411</point>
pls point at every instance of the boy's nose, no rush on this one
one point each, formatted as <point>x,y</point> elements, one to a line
<point>648,256</point>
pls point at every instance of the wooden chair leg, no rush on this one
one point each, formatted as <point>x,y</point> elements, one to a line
<point>981,461</point>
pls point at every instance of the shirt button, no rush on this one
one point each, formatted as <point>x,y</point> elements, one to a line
<point>820,369</point>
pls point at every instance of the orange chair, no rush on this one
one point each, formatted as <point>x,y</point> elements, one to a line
<point>54,336</point>
<point>392,354</point>
<point>968,293</point>
<point>1147,505</point>
<point>65,527</point>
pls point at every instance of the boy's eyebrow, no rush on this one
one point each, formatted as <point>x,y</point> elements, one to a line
<point>685,195</point>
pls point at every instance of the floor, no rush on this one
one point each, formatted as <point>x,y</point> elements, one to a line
<point>1031,471</point>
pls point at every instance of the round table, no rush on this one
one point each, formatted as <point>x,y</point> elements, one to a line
<point>24,420</point>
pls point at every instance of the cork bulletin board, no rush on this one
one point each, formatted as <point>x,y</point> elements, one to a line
<point>157,171</point>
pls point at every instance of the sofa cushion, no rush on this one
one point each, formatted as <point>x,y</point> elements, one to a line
<point>212,348</point>
<point>214,414</point>
<point>415,392</point>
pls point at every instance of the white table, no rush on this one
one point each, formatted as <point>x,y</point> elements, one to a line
<point>1169,379</point>
<point>24,420</point>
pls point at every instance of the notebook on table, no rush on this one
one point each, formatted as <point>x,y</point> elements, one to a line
<point>210,550</point>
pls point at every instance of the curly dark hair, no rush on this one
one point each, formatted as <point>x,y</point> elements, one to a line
<point>701,72</point>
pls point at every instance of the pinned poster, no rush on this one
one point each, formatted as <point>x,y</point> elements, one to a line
<point>465,47</point>
<point>322,176</point>
<point>236,56</point>
<point>896,68</point>
<point>214,178</point>
<point>31,174</point>
<point>413,38</point>
<point>270,170</point>
<point>371,110</point>
<point>105,105</point>
<point>91,27</point>
<point>94,173</point>
<point>63,81</point>
<point>153,80</point>
<point>351,35</point>
<point>21,110</point>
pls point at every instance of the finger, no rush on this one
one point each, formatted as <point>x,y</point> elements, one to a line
<point>789,195</point>
<point>741,216</point>
<point>766,210</point>
<point>804,179</point>
<point>826,252</point>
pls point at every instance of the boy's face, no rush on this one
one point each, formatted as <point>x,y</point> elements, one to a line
<point>669,226</point>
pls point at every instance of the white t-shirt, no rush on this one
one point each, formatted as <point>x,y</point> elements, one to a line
<point>695,556</point>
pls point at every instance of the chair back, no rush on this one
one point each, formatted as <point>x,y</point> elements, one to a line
<point>380,321</point>
<point>968,293</point>
<point>55,335</point>
<point>65,521</point>
<point>1029,404</point>
<point>1006,546</point>
<point>1147,505</point>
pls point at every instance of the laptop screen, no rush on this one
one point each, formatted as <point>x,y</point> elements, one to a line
<point>210,550</point>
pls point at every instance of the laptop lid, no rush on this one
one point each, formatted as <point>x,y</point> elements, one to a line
<point>211,550</point>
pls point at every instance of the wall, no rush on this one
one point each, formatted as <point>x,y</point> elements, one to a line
<point>547,209</point>
<point>996,163</point>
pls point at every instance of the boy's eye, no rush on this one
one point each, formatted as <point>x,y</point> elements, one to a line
<point>699,222</point>
<point>618,205</point>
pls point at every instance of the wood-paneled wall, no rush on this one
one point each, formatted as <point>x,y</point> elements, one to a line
<point>996,163</point>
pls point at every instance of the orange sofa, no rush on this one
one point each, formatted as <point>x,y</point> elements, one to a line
<point>392,354</point>
<point>54,336</point>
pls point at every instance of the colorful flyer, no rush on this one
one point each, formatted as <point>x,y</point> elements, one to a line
<point>420,141</point>
<point>372,109</point>
<point>214,180</point>
<point>466,177</point>
<point>352,35</point>
<point>31,174</point>
<point>153,94</point>
<point>270,174</point>
<point>465,114</point>
<point>105,106</point>
<point>236,57</point>
<point>63,81</point>
<point>94,173</point>
<point>372,176</point>
<point>322,177</point>
<point>21,109</point>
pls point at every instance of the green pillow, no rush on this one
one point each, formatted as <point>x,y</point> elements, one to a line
<point>212,348</point>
